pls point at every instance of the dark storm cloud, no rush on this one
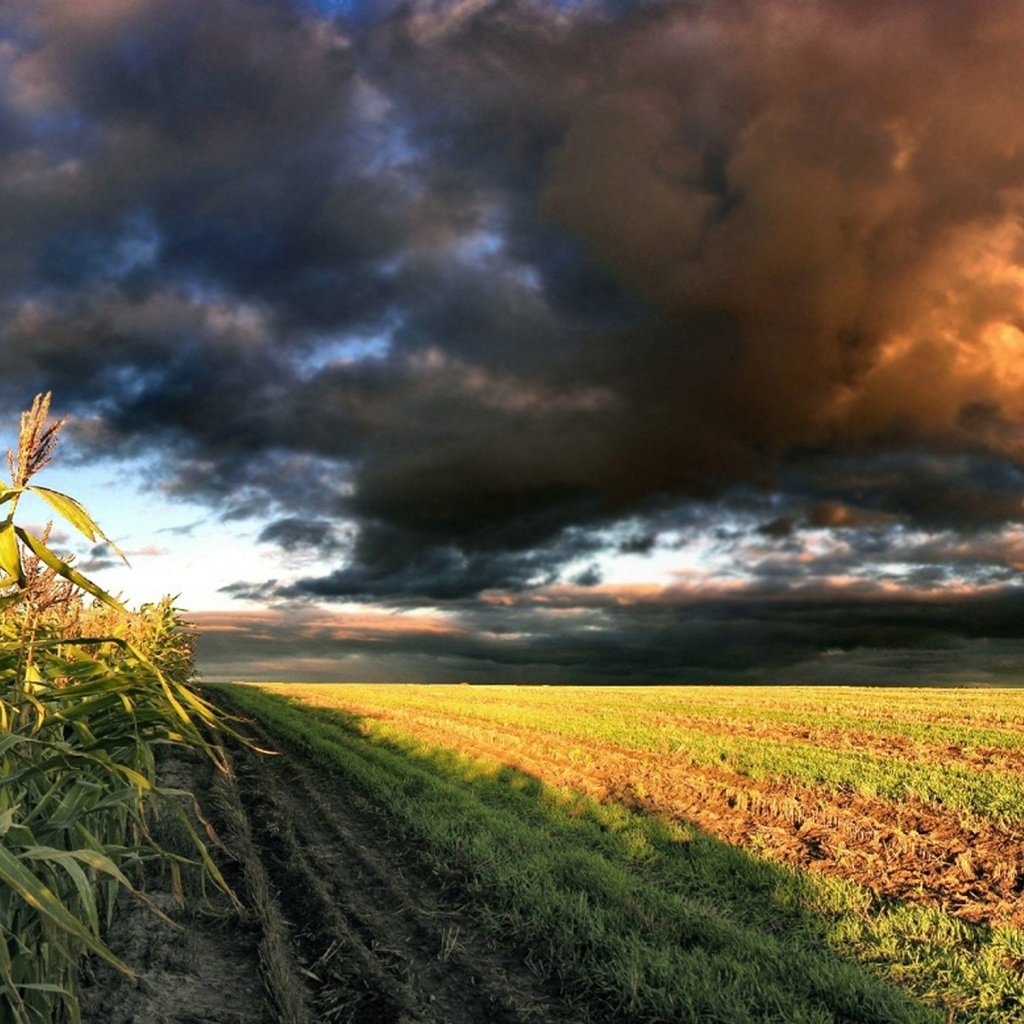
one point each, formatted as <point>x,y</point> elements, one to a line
<point>819,637</point>
<point>782,212</point>
<point>716,633</point>
<point>463,294</point>
<point>934,489</point>
<point>388,566</point>
<point>293,534</point>
<point>189,129</point>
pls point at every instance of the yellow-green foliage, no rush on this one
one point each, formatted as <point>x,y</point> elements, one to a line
<point>85,694</point>
<point>156,630</point>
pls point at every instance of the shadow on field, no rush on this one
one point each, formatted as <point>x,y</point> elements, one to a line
<point>638,918</point>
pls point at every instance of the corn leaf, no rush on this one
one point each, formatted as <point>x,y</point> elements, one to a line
<point>37,896</point>
<point>10,988</point>
<point>83,886</point>
<point>75,513</point>
<point>80,718</point>
<point>59,566</point>
<point>10,555</point>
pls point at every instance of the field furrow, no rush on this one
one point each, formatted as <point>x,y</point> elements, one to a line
<point>939,779</point>
<point>906,850</point>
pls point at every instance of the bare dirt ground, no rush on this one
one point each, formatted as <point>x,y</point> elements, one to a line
<point>339,921</point>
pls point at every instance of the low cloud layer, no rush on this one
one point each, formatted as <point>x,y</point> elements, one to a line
<point>465,299</point>
<point>814,637</point>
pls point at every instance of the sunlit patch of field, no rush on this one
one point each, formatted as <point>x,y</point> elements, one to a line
<point>874,836</point>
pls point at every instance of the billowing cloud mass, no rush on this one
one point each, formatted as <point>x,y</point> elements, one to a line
<point>470,299</point>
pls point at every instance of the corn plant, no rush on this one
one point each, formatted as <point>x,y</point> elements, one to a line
<point>81,714</point>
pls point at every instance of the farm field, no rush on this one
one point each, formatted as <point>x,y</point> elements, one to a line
<point>678,853</point>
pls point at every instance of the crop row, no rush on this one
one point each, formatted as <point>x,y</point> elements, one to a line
<point>993,794</point>
<point>938,718</point>
<point>994,715</point>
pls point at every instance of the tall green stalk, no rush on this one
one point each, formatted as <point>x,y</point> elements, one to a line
<point>80,717</point>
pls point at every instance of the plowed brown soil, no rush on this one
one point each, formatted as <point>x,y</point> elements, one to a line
<point>907,850</point>
<point>340,922</point>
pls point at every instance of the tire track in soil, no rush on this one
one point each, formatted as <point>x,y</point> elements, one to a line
<point>203,968</point>
<point>375,940</point>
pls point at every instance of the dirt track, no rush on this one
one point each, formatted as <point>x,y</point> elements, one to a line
<point>340,922</point>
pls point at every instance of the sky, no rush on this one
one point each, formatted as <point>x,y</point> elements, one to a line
<point>532,341</point>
